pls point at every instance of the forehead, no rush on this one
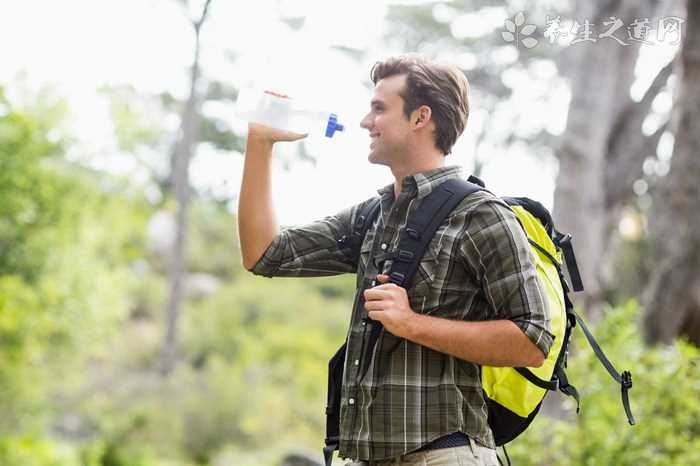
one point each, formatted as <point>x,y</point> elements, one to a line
<point>388,90</point>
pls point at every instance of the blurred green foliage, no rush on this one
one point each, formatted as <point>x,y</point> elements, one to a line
<point>82,288</point>
<point>664,398</point>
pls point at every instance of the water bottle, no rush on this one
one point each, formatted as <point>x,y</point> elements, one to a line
<point>283,113</point>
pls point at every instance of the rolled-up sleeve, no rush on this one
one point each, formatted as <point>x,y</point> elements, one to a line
<point>497,249</point>
<point>310,250</point>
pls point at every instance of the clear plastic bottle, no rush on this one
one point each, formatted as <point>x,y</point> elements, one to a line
<point>284,113</point>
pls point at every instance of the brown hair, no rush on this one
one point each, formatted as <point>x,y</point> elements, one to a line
<point>440,86</point>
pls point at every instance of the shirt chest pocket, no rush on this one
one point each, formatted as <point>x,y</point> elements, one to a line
<point>423,282</point>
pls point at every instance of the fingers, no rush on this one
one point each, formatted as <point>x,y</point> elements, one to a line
<point>381,278</point>
<point>272,134</point>
<point>295,136</point>
<point>377,293</point>
<point>375,305</point>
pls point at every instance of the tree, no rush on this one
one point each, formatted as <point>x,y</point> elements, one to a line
<point>181,187</point>
<point>671,302</point>
<point>602,149</point>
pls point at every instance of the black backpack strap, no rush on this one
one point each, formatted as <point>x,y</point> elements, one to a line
<point>422,225</point>
<point>476,180</point>
<point>624,379</point>
<point>335,383</point>
<point>566,388</point>
<point>363,221</point>
<point>563,241</point>
<point>420,229</point>
<point>351,244</point>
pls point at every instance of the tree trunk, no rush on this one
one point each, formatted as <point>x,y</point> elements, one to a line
<point>189,135</point>
<point>671,306</point>
<point>600,75</point>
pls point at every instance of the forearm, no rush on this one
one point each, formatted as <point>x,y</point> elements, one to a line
<point>496,343</point>
<point>257,226</point>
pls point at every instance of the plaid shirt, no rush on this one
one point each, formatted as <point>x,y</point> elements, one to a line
<point>478,266</point>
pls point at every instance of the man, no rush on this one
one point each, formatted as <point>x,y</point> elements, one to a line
<point>476,299</point>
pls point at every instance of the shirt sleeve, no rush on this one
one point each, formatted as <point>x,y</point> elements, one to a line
<point>497,249</point>
<point>310,250</point>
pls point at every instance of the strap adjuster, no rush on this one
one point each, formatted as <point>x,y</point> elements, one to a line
<point>564,239</point>
<point>412,233</point>
<point>397,278</point>
<point>405,256</point>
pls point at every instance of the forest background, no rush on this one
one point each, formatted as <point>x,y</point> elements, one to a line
<point>131,335</point>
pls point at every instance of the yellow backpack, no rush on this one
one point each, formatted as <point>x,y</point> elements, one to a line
<point>514,395</point>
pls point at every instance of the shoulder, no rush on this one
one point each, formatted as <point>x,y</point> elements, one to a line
<point>483,204</point>
<point>487,221</point>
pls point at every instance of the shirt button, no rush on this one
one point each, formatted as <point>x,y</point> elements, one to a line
<point>351,401</point>
<point>384,246</point>
<point>357,362</point>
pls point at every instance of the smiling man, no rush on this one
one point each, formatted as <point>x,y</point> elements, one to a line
<point>476,299</point>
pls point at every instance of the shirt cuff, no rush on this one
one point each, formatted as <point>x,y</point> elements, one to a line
<point>537,335</point>
<point>267,265</point>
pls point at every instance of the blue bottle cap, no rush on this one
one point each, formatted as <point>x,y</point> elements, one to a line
<point>333,125</point>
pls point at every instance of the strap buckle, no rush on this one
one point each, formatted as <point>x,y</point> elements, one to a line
<point>564,239</point>
<point>626,381</point>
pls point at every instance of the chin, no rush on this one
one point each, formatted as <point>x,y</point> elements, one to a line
<point>374,159</point>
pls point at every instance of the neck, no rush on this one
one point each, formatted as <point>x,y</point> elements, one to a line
<point>430,162</point>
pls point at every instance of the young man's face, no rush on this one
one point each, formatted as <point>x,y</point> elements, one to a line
<point>389,130</point>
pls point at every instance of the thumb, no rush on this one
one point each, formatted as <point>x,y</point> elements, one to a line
<point>381,278</point>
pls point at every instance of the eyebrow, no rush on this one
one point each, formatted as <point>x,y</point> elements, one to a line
<point>377,102</point>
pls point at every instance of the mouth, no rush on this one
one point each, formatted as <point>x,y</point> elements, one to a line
<point>373,138</point>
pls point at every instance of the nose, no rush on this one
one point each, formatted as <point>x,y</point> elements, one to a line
<point>366,122</point>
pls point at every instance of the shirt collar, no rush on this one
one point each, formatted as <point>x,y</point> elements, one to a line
<point>425,181</point>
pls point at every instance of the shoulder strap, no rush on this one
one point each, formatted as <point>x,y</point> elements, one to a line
<point>564,242</point>
<point>422,225</point>
<point>363,221</point>
<point>420,229</point>
<point>335,382</point>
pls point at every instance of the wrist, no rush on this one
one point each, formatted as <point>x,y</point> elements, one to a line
<point>413,328</point>
<point>259,141</point>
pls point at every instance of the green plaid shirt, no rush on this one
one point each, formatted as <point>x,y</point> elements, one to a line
<point>478,266</point>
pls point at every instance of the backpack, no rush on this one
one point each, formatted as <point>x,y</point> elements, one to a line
<point>513,394</point>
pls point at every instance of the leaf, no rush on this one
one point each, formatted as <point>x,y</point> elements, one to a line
<point>528,29</point>
<point>507,36</point>
<point>510,25</point>
<point>529,42</point>
<point>520,18</point>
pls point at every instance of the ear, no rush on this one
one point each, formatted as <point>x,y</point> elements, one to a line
<point>421,116</point>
